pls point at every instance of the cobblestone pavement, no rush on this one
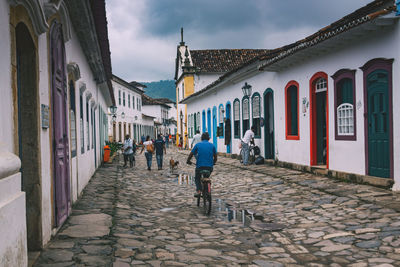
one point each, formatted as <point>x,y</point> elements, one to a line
<point>262,216</point>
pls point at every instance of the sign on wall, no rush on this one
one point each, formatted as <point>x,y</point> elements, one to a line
<point>45,116</point>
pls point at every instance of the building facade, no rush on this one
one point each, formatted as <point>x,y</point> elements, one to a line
<point>128,117</point>
<point>323,102</point>
<point>53,112</point>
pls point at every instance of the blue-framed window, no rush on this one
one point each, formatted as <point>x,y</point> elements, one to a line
<point>221,119</point>
<point>256,114</point>
<point>236,118</point>
<point>245,114</point>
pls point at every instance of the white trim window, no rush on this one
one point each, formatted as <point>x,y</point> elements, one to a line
<point>345,119</point>
<point>221,114</point>
<point>321,85</point>
<point>246,109</point>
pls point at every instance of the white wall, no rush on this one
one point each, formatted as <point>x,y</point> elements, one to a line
<point>378,45</point>
<point>201,81</point>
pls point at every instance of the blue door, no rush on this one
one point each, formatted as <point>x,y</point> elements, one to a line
<point>214,130</point>
<point>209,121</point>
<point>228,128</point>
<point>203,117</point>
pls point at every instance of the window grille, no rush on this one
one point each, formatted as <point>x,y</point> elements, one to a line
<point>345,119</point>
<point>320,85</point>
<point>245,109</point>
<point>221,114</point>
<point>256,107</point>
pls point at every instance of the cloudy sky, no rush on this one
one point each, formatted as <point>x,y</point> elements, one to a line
<point>144,34</point>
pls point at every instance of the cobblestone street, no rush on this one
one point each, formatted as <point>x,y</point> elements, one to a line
<point>262,216</point>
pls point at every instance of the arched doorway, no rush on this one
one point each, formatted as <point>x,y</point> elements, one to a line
<point>60,127</point>
<point>28,133</point>
<point>269,131</point>
<point>319,127</point>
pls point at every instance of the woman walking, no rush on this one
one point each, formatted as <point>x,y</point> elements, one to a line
<point>148,148</point>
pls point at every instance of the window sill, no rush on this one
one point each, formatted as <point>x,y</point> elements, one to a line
<point>292,137</point>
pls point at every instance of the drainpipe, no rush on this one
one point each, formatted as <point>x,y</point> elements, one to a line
<point>397,7</point>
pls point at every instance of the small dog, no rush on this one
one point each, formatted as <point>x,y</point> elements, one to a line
<point>173,164</point>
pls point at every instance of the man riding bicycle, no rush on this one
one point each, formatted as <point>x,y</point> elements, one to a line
<point>206,158</point>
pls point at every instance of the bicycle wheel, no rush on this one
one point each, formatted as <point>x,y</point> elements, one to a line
<point>207,199</point>
<point>198,200</point>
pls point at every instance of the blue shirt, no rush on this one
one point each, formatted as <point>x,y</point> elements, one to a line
<point>159,145</point>
<point>205,152</point>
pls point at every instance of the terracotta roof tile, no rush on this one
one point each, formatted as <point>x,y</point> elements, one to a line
<point>223,60</point>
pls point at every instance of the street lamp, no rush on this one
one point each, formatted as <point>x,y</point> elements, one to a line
<point>246,89</point>
<point>113,109</point>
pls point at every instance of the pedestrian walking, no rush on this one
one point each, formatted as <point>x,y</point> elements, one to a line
<point>247,138</point>
<point>148,148</point>
<point>166,139</point>
<point>159,146</point>
<point>196,139</point>
<point>128,151</point>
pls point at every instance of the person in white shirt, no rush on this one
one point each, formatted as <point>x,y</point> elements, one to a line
<point>247,138</point>
<point>148,148</point>
<point>128,151</point>
<point>196,138</point>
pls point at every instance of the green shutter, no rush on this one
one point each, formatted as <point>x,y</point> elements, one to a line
<point>347,92</point>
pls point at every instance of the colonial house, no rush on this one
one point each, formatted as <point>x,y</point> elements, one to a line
<point>327,101</point>
<point>159,111</point>
<point>195,69</point>
<point>127,118</point>
<point>56,89</point>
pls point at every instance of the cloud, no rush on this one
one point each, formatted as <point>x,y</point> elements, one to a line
<point>144,33</point>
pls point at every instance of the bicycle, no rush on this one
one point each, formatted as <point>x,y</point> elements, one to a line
<point>252,154</point>
<point>205,190</point>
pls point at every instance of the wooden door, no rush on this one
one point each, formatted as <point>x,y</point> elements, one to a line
<point>60,128</point>
<point>378,124</point>
<point>269,136</point>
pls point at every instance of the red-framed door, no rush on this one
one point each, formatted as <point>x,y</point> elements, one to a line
<point>319,120</point>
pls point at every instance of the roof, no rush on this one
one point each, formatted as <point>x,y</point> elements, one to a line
<point>165,100</point>
<point>126,84</point>
<point>370,12</point>
<point>136,84</point>
<point>223,60</point>
<point>147,100</point>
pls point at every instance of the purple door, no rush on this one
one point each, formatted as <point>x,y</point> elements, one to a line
<point>60,129</point>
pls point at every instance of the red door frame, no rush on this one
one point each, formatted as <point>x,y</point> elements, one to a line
<point>313,125</point>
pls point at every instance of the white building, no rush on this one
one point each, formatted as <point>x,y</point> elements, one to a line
<point>54,120</point>
<point>160,111</point>
<point>128,118</point>
<point>324,101</point>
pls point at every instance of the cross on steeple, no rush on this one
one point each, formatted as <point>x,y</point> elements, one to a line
<point>182,42</point>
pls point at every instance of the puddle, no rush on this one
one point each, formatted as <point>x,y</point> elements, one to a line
<point>244,216</point>
<point>185,179</point>
<point>167,209</point>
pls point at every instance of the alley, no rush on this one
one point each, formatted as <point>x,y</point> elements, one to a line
<point>135,217</point>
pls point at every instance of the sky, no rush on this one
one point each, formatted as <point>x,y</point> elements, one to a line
<point>144,34</point>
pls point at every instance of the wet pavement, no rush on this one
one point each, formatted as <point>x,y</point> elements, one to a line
<point>261,216</point>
